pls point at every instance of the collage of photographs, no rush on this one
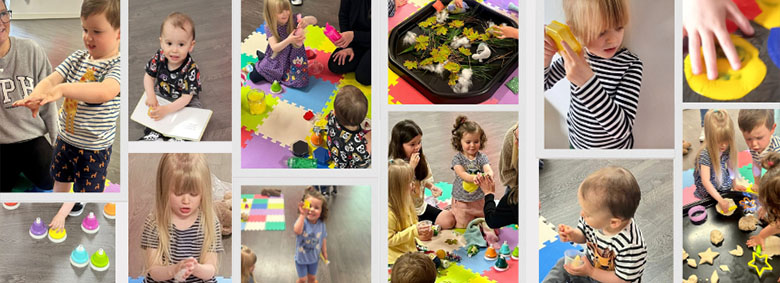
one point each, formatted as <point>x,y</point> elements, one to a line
<point>633,132</point>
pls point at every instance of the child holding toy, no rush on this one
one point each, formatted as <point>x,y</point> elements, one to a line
<point>714,166</point>
<point>172,73</point>
<point>90,82</point>
<point>181,236</point>
<point>605,77</point>
<point>402,228</point>
<point>406,144</point>
<point>348,142</point>
<point>248,261</point>
<point>311,239</point>
<point>616,249</point>
<point>285,57</point>
<point>472,170</point>
<point>767,197</point>
<point>506,212</point>
<point>758,129</point>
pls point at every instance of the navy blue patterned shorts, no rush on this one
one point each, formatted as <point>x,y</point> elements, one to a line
<point>85,168</point>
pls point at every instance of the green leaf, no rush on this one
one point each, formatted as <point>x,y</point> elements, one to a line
<point>453,79</point>
<point>465,51</point>
<point>456,24</point>
<point>426,61</point>
<point>441,30</point>
<point>452,67</point>
<point>411,65</point>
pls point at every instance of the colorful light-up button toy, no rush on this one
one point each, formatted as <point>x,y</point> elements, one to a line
<point>501,264</point>
<point>79,257</point>
<point>99,261</point>
<point>10,205</point>
<point>109,210</point>
<point>38,229</point>
<point>90,224</point>
<point>490,254</point>
<point>57,236</point>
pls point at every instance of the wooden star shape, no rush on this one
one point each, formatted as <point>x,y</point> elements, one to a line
<point>752,263</point>
<point>708,256</point>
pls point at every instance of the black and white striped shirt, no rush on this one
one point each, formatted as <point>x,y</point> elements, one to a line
<point>628,249</point>
<point>602,111</point>
<point>184,244</point>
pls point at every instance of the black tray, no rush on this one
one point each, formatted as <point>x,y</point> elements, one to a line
<point>437,90</point>
<point>696,239</point>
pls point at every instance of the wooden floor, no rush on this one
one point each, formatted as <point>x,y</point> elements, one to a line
<point>324,11</point>
<point>349,239</point>
<point>437,128</point>
<point>142,174</point>
<point>692,130</point>
<point>212,53</point>
<point>558,184</point>
<point>25,259</point>
<point>60,38</point>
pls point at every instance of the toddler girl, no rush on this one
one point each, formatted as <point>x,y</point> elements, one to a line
<point>406,144</point>
<point>285,58</point>
<point>402,228</point>
<point>605,80</point>
<point>311,234</point>
<point>471,167</point>
<point>248,260</point>
<point>182,234</point>
<point>769,198</point>
<point>714,166</point>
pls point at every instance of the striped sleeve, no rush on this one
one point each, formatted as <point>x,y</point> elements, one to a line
<point>553,73</point>
<point>150,238</point>
<point>67,68</point>
<point>631,255</point>
<point>114,72</point>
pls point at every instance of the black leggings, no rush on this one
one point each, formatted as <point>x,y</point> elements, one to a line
<point>360,64</point>
<point>32,158</point>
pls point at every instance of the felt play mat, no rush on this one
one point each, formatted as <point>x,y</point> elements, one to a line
<point>745,168</point>
<point>551,248</point>
<point>266,139</point>
<point>756,80</point>
<point>401,92</point>
<point>265,213</point>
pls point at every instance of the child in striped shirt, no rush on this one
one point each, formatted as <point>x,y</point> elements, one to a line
<point>758,129</point>
<point>90,82</point>
<point>605,77</point>
<point>616,250</point>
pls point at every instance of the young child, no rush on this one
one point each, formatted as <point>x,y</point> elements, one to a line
<point>402,228</point>
<point>768,194</point>
<point>471,167</point>
<point>348,142</point>
<point>89,80</point>
<point>311,239</point>
<point>616,250</point>
<point>714,168</point>
<point>605,80</point>
<point>406,144</point>
<point>413,267</point>
<point>285,57</point>
<point>248,261</point>
<point>758,129</point>
<point>172,73</point>
<point>181,235</point>
<point>66,209</point>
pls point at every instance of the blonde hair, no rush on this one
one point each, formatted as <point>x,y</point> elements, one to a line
<point>399,177</point>
<point>588,18</point>
<point>248,260</point>
<point>718,128</point>
<point>183,173</point>
<point>271,8</point>
<point>515,155</point>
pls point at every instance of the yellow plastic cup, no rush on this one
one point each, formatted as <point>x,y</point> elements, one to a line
<point>256,101</point>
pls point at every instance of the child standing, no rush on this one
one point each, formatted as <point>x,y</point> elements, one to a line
<point>758,129</point>
<point>714,166</point>
<point>248,261</point>
<point>182,234</point>
<point>285,57</point>
<point>89,80</point>
<point>311,234</point>
<point>172,73</point>
<point>406,144</point>
<point>616,250</point>
<point>349,144</point>
<point>605,84</point>
<point>471,167</point>
<point>402,228</point>
<point>768,197</point>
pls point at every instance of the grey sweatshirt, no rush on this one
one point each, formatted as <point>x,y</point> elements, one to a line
<point>25,65</point>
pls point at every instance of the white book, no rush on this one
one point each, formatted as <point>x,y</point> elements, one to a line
<point>188,123</point>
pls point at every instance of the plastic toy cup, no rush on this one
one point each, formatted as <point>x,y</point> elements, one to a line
<point>573,257</point>
<point>425,230</point>
<point>256,101</point>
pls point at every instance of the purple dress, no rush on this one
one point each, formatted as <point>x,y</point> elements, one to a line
<point>290,66</point>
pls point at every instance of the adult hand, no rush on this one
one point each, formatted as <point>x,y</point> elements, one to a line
<point>703,22</point>
<point>487,185</point>
<point>578,70</point>
<point>346,39</point>
<point>341,56</point>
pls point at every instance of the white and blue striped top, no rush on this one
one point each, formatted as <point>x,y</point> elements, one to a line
<point>94,126</point>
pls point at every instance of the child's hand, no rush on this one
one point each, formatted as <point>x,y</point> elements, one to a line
<point>435,191</point>
<point>703,22</point>
<point>346,39</point>
<point>578,70</point>
<point>58,222</point>
<point>755,241</point>
<point>399,3</point>
<point>184,269</point>
<point>458,3</point>
<point>740,188</point>
<point>39,97</point>
<point>549,49</point>
<point>505,31</point>
<point>341,56</point>
<point>296,40</point>
<point>414,159</point>
<point>160,112</point>
<point>724,205</point>
<point>301,209</point>
<point>565,233</point>
<point>585,269</point>
<point>151,100</point>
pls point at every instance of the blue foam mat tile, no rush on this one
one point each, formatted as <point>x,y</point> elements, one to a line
<point>243,225</point>
<point>477,263</point>
<point>313,97</point>
<point>261,28</point>
<point>550,254</point>
<point>687,177</point>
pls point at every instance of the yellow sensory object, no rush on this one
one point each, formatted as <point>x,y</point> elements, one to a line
<point>560,32</point>
<point>730,84</point>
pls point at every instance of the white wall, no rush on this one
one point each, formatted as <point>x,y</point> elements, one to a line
<point>650,35</point>
<point>45,9</point>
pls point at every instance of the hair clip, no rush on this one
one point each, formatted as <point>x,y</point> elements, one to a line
<point>390,161</point>
<point>715,111</point>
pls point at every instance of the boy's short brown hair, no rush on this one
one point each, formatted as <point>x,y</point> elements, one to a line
<point>350,106</point>
<point>109,7</point>
<point>179,20</point>
<point>749,119</point>
<point>413,267</point>
<point>614,188</point>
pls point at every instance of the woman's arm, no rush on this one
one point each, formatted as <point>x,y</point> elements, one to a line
<point>501,215</point>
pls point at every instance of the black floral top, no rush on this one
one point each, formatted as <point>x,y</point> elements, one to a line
<point>172,84</point>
